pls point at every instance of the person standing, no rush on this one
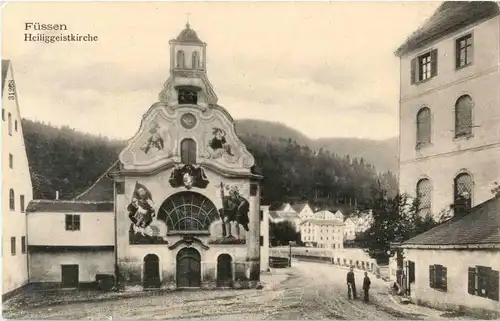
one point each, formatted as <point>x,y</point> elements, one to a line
<point>366,286</point>
<point>351,284</point>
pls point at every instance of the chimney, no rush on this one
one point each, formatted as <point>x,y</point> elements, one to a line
<point>57,195</point>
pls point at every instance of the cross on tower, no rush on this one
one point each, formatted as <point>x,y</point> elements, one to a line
<point>187,19</point>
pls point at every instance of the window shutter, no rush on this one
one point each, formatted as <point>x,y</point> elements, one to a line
<point>444,278</point>
<point>413,70</point>
<point>432,278</point>
<point>472,281</point>
<point>493,292</point>
<point>457,53</point>
<point>434,62</point>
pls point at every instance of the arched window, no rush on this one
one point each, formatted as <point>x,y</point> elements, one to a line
<point>463,188</point>
<point>10,124</point>
<point>15,125</point>
<point>424,196</point>
<point>180,59</point>
<point>463,116</point>
<point>12,199</point>
<point>195,60</point>
<point>188,211</point>
<point>188,151</point>
<point>423,126</point>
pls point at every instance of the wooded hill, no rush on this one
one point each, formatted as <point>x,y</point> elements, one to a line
<point>64,160</point>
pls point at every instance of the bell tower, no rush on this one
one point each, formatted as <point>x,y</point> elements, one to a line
<point>188,83</point>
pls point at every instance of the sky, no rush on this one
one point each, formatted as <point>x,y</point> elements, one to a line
<point>326,69</point>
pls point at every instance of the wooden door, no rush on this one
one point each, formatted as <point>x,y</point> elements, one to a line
<point>188,268</point>
<point>69,276</point>
<point>224,270</point>
<point>151,275</point>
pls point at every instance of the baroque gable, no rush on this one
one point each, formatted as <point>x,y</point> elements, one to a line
<point>163,129</point>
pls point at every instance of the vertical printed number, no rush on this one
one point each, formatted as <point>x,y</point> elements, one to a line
<point>12,90</point>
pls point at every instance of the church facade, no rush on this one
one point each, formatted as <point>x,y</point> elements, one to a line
<point>187,197</point>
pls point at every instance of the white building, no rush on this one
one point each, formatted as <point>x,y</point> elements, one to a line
<point>450,107</point>
<point>450,154</point>
<point>303,210</point>
<point>350,228</point>
<point>322,233</point>
<point>456,264</point>
<point>17,189</point>
<point>70,242</point>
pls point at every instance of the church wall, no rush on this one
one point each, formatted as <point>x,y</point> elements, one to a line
<point>131,256</point>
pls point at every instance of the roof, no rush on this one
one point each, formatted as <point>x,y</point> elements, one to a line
<point>289,215</point>
<point>273,214</point>
<point>299,207</point>
<point>451,16</point>
<point>480,226</point>
<point>282,207</point>
<point>188,35</point>
<point>323,213</point>
<point>68,206</point>
<point>5,69</point>
<point>324,222</point>
<point>102,190</point>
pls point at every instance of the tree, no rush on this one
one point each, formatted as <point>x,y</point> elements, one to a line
<point>395,220</point>
<point>282,233</point>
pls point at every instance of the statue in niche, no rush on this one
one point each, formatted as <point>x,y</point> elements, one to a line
<point>235,208</point>
<point>155,141</point>
<point>218,144</point>
<point>189,176</point>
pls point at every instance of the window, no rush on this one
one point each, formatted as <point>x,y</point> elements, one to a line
<point>3,114</point>
<point>11,161</point>
<point>411,271</point>
<point>195,60</point>
<point>463,47</point>
<point>188,151</point>
<point>424,194</point>
<point>483,282</point>
<point>72,222</point>
<point>463,186</point>
<point>423,127</point>
<point>188,211</point>
<point>12,200</point>
<point>13,245</point>
<point>424,67</point>
<point>437,277</point>
<point>187,96</point>
<point>10,124</point>
<point>463,116</point>
<point>180,59</point>
<point>23,244</point>
<point>21,201</point>
<point>15,125</point>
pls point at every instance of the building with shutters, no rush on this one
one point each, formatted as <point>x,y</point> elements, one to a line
<point>450,156</point>
<point>179,209</point>
<point>450,108</point>
<point>17,189</point>
<point>455,266</point>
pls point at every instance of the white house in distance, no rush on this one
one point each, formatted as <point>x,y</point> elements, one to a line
<point>449,107</point>
<point>293,213</point>
<point>322,233</point>
<point>450,154</point>
<point>350,228</point>
<point>17,189</point>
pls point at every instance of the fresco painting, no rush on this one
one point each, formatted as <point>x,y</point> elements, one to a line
<point>142,215</point>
